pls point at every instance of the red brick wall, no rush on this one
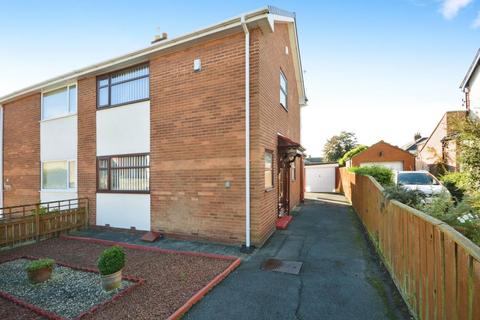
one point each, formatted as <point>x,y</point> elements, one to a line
<point>383,152</point>
<point>197,141</point>
<point>21,147</point>
<point>273,119</point>
<point>87,167</point>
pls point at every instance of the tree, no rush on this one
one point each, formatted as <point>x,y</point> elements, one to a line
<point>338,145</point>
<point>350,154</point>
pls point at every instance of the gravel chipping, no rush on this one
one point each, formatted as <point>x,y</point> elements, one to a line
<point>171,279</point>
<point>68,293</point>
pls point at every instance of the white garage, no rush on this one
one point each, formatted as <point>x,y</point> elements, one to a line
<point>394,165</point>
<point>320,178</point>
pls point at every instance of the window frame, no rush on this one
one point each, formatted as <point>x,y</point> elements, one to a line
<point>272,169</point>
<point>284,91</point>
<point>64,115</point>
<point>67,185</point>
<point>293,171</point>
<point>109,169</point>
<point>109,76</point>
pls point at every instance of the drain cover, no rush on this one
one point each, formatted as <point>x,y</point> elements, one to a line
<point>285,266</point>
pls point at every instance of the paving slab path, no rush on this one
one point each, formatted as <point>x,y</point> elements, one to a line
<point>341,277</point>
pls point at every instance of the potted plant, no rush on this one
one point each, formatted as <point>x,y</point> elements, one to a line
<point>110,265</point>
<point>40,270</point>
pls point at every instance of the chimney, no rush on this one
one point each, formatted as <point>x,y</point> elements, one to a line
<point>159,37</point>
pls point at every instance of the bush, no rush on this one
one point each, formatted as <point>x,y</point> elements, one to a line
<point>456,183</point>
<point>39,264</point>
<point>349,155</point>
<point>383,175</point>
<point>412,198</point>
<point>111,260</point>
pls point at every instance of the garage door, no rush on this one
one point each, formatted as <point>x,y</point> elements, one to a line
<point>320,178</point>
<point>394,165</point>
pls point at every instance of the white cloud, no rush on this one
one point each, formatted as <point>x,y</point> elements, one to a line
<point>476,22</point>
<point>450,8</point>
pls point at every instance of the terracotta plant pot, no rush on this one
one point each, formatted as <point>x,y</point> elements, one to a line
<point>40,275</point>
<point>112,281</point>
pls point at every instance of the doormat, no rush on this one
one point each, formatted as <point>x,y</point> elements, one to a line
<point>284,266</point>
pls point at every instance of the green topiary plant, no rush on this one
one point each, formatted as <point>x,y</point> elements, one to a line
<point>39,264</point>
<point>111,260</point>
<point>383,175</point>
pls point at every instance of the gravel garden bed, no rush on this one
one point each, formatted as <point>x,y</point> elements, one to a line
<point>69,293</point>
<point>171,279</point>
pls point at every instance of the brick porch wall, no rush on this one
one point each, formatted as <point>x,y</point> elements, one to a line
<point>21,147</point>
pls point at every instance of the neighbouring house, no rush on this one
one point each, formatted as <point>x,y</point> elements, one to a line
<point>471,88</point>
<point>439,153</point>
<point>196,136</point>
<point>414,146</point>
<point>313,160</point>
<point>384,154</point>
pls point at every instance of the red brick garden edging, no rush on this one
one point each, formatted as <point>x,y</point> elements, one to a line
<point>197,296</point>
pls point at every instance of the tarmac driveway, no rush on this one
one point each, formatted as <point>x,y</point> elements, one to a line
<point>341,276</point>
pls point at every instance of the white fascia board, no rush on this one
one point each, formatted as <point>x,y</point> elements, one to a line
<point>470,71</point>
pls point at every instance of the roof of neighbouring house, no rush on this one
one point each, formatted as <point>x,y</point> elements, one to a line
<point>471,71</point>
<point>449,129</point>
<point>263,18</point>
<point>413,145</point>
<point>381,142</point>
<point>313,161</point>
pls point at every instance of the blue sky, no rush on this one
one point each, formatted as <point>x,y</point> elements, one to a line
<point>384,69</point>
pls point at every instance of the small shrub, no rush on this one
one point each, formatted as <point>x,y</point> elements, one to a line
<point>383,175</point>
<point>412,198</point>
<point>111,260</point>
<point>456,183</point>
<point>39,264</point>
<point>349,155</point>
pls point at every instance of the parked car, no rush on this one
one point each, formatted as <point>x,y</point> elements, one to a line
<point>422,181</point>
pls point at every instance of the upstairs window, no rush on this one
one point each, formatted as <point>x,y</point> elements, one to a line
<point>129,173</point>
<point>60,102</point>
<point>283,91</point>
<point>126,86</point>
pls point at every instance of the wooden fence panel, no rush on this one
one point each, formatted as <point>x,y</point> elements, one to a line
<point>436,269</point>
<point>41,221</point>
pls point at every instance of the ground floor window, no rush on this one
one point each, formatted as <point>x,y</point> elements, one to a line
<point>293,171</point>
<point>268,169</point>
<point>124,173</point>
<point>59,175</point>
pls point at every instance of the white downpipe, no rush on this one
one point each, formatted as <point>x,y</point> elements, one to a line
<point>247,132</point>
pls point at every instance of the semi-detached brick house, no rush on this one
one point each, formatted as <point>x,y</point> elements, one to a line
<point>157,139</point>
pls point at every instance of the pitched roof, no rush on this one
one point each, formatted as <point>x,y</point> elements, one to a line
<point>471,71</point>
<point>264,18</point>
<point>381,142</point>
<point>411,146</point>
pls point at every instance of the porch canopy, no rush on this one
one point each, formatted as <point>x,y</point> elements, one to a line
<point>290,148</point>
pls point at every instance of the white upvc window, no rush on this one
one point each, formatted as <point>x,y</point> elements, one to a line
<point>59,175</point>
<point>59,102</point>
<point>283,91</point>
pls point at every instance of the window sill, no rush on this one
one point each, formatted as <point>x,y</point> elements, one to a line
<point>269,189</point>
<point>59,117</point>
<point>123,192</point>
<point>59,190</point>
<point>285,108</point>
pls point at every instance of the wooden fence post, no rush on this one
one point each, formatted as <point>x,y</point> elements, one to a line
<point>37,222</point>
